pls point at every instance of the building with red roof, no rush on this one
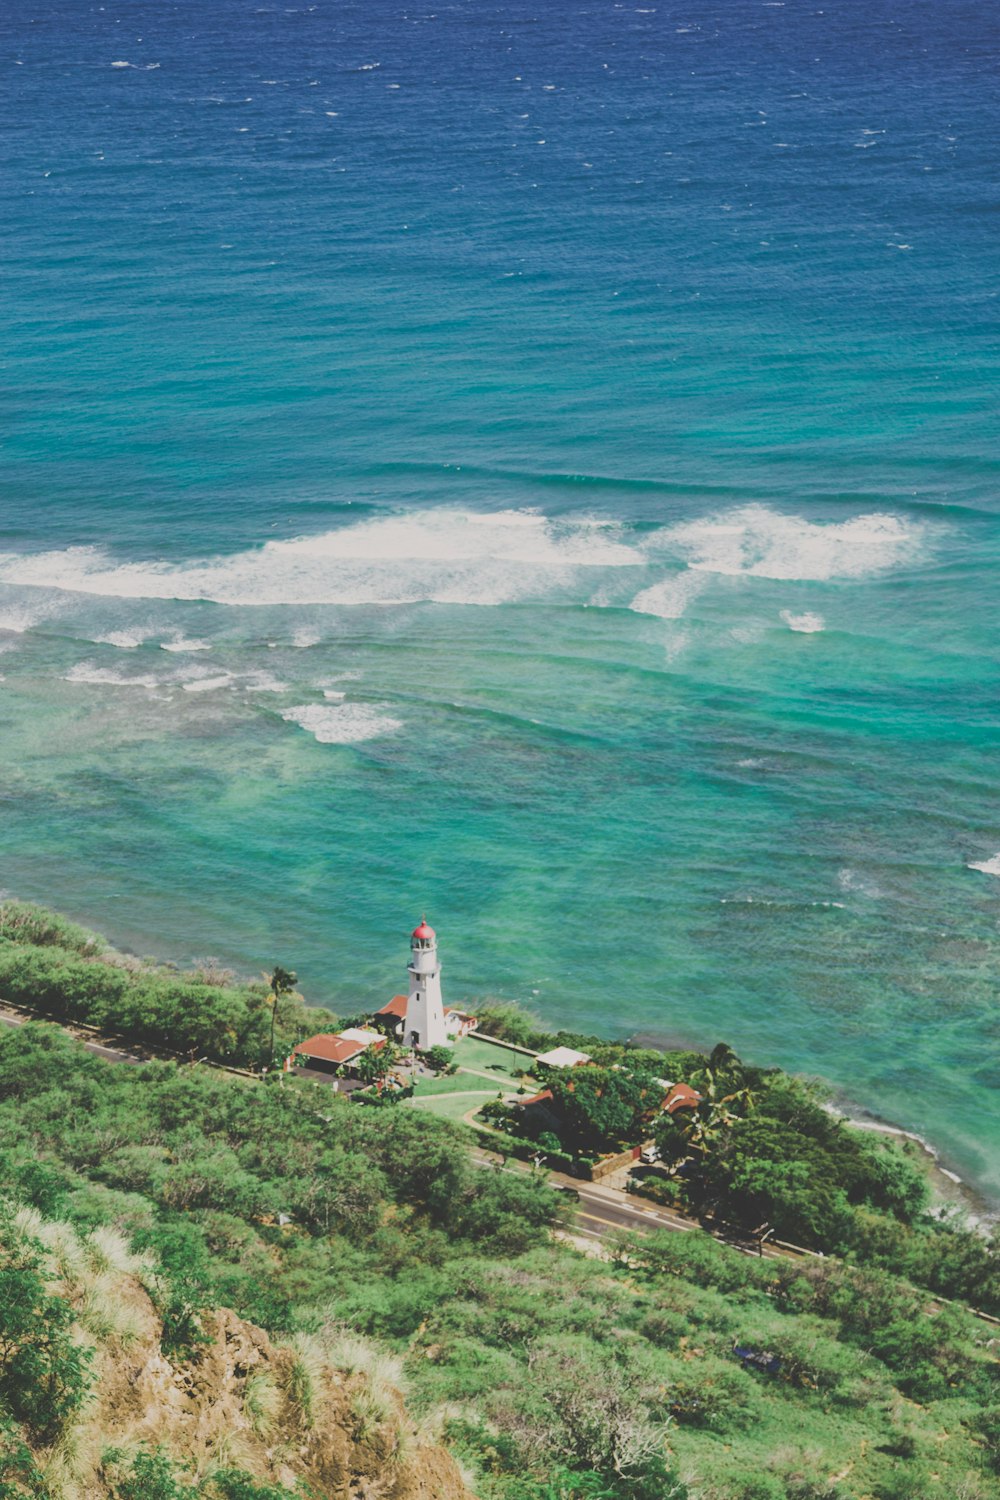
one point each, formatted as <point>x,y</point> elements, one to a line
<point>681,1096</point>
<point>328,1052</point>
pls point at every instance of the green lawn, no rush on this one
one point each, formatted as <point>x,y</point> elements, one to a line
<point>490,1058</point>
<point>453,1083</point>
<point>450,1106</point>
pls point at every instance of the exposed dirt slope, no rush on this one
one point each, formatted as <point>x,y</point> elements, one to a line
<point>282,1414</point>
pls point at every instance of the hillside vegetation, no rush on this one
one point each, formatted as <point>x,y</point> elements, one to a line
<point>760,1148</point>
<point>92,1406</point>
<point>167,1219</point>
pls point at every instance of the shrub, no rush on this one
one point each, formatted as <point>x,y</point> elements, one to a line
<point>43,1372</point>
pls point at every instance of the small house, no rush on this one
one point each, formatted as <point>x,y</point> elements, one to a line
<point>681,1096</point>
<point>563,1057</point>
<point>328,1053</point>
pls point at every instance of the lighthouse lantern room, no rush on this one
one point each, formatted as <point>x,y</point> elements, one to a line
<point>424,1026</point>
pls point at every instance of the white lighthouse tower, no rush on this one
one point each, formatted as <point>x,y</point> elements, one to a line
<point>424,1025</point>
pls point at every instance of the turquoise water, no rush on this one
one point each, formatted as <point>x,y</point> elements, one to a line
<point>537,468</point>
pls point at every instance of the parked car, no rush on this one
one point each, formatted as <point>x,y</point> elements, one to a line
<point>649,1156</point>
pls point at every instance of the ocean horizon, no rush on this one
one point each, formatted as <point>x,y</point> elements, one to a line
<point>537,468</point>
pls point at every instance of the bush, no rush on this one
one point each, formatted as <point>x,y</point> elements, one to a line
<point>60,971</point>
<point>43,1372</point>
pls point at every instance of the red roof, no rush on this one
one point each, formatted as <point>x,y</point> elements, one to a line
<point>424,932</point>
<point>394,1007</point>
<point>335,1049</point>
<point>535,1098</point>
<point>681,1096</point>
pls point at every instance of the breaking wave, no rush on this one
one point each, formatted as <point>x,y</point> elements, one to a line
<point>343,724</point>
<point>806,623</point>
<point>457,557</point>
<point>448,557</point>
<point>87,672</point>
<point>762,543</point>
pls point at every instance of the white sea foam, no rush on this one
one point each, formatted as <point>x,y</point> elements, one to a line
<point>122,65</point>
<point>89,672</point>
<point>16,619</point>
<point>853,881</point>
<point>127,640</point>
<point>761,543</point>
<point>343,724</point>
<point>670,598</point>
<point>807,623</point>
<point>445,556</point>
<point>181,643</point>
<point>265,682</point>
<point>208,684</point>
<point>456,557</point>
<point>332,695</point>
<point>987,866</point>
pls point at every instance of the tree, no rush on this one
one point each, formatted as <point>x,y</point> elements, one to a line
<point>601,1107</point>
<point>376,1063</point>
<point>283,982</point>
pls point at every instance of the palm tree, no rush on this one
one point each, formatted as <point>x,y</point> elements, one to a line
<point>282,982</point>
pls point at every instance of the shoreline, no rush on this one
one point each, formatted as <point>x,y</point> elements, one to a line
<point>948,1187</point>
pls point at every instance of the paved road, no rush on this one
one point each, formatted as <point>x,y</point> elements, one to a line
<point>110,1054</point>
<point>599,1211</point>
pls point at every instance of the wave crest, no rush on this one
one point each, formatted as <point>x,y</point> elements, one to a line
<point>343,724</point>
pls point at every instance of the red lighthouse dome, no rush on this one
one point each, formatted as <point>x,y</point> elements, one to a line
<point>423,933</point>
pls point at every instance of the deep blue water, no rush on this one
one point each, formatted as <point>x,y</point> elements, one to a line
<point>559,450</point>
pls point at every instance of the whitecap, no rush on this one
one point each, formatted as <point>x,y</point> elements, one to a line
<point>670,598</point>
<point>181,643</point>
<point>207,684</point>
<point>122,65</point>
<point>343,724</point>
<point>757,542</point>
<point>265,682</point>
<point>18,619</point>
<point>332,695</point>
<point>852,881</point>
<point>986,866</point>
<point>807,623</point>
<point>304,638</point>
<point>90,673</point>
<point>126,640</point>
<point>441,556</point>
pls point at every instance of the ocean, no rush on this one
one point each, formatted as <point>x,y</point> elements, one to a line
<point>532,464</point>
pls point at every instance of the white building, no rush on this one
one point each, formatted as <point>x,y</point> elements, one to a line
<point>424,1026</point>
<point>563,1057</point>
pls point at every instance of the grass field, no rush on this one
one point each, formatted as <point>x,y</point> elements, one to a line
<point>489,1057</point>
<point>450,1106</point>
<point>454,1083</point>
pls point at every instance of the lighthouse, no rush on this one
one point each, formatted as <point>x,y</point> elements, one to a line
<point>424,1025</point>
